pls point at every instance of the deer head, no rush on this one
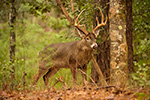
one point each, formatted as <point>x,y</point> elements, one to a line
<point>89,37</point>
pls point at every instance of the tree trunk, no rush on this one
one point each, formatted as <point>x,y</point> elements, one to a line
<point>103,51</point>
<point>129,37</point>
<point>118,47</point>
<point>12,18</point>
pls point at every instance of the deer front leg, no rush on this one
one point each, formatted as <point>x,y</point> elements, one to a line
<point>38,75</point>
<point>84,72</point>
<point>74,76</point>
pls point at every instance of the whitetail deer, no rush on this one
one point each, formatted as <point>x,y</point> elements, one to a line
<point>73,55</point>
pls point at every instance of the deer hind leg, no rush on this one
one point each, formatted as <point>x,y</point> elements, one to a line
<point>38,75</point>
<point>83,73</point>
<point>74,76</point>
<point>50,73</point>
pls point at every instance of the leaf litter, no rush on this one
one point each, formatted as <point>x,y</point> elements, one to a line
<point>88,92</point>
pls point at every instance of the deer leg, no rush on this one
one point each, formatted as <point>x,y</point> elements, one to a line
<point>74,76</point>
<point>38,75</point>
<point>50,73</point>
<point>84,72</point>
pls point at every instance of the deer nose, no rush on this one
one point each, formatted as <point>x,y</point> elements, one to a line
<point>94,45</point>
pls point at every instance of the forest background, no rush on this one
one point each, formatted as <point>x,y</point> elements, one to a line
<point>39,23</point>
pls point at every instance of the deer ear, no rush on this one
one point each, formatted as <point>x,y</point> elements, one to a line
<point>80,33</point>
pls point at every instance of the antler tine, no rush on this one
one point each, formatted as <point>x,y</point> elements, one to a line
<point>103,17</point>
<point>79,16</point>
<point>106,19</point>
<point>80,21</point>
<point>77,24</point>
<point>97,20</point>
<point>102,21</point>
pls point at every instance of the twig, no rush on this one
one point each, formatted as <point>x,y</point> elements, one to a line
<point>135,93</point>
<point>56,82</point>
<point>89,77</point>
<point>109,86</point>
<point>60,80</point>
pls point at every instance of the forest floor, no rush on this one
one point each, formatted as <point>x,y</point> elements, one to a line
<point>76,93</point>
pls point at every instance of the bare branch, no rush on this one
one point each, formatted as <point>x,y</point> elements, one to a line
<point>65,12</point>
<point>72,7</point>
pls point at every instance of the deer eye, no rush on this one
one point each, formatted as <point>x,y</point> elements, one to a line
<point>87,38</point>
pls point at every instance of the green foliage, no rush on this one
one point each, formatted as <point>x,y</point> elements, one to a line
<point>4,63</point>
<point>57,23</point>
<point>38,7</point>
<point>141,34</point>
<point>141,77</point>
<point>4,41</point>
<point>141,27</point>
<point>143,96</point>
<point>4,10</point>
<point>4,72</point>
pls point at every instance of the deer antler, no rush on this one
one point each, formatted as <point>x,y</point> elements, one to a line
<point>77,24</point>
<point>99,24</point>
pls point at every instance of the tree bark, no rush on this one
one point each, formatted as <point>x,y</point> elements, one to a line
<point>12,19</point>
<point>118,48</point>
<point>129,36</point>
<point>103,51</point>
